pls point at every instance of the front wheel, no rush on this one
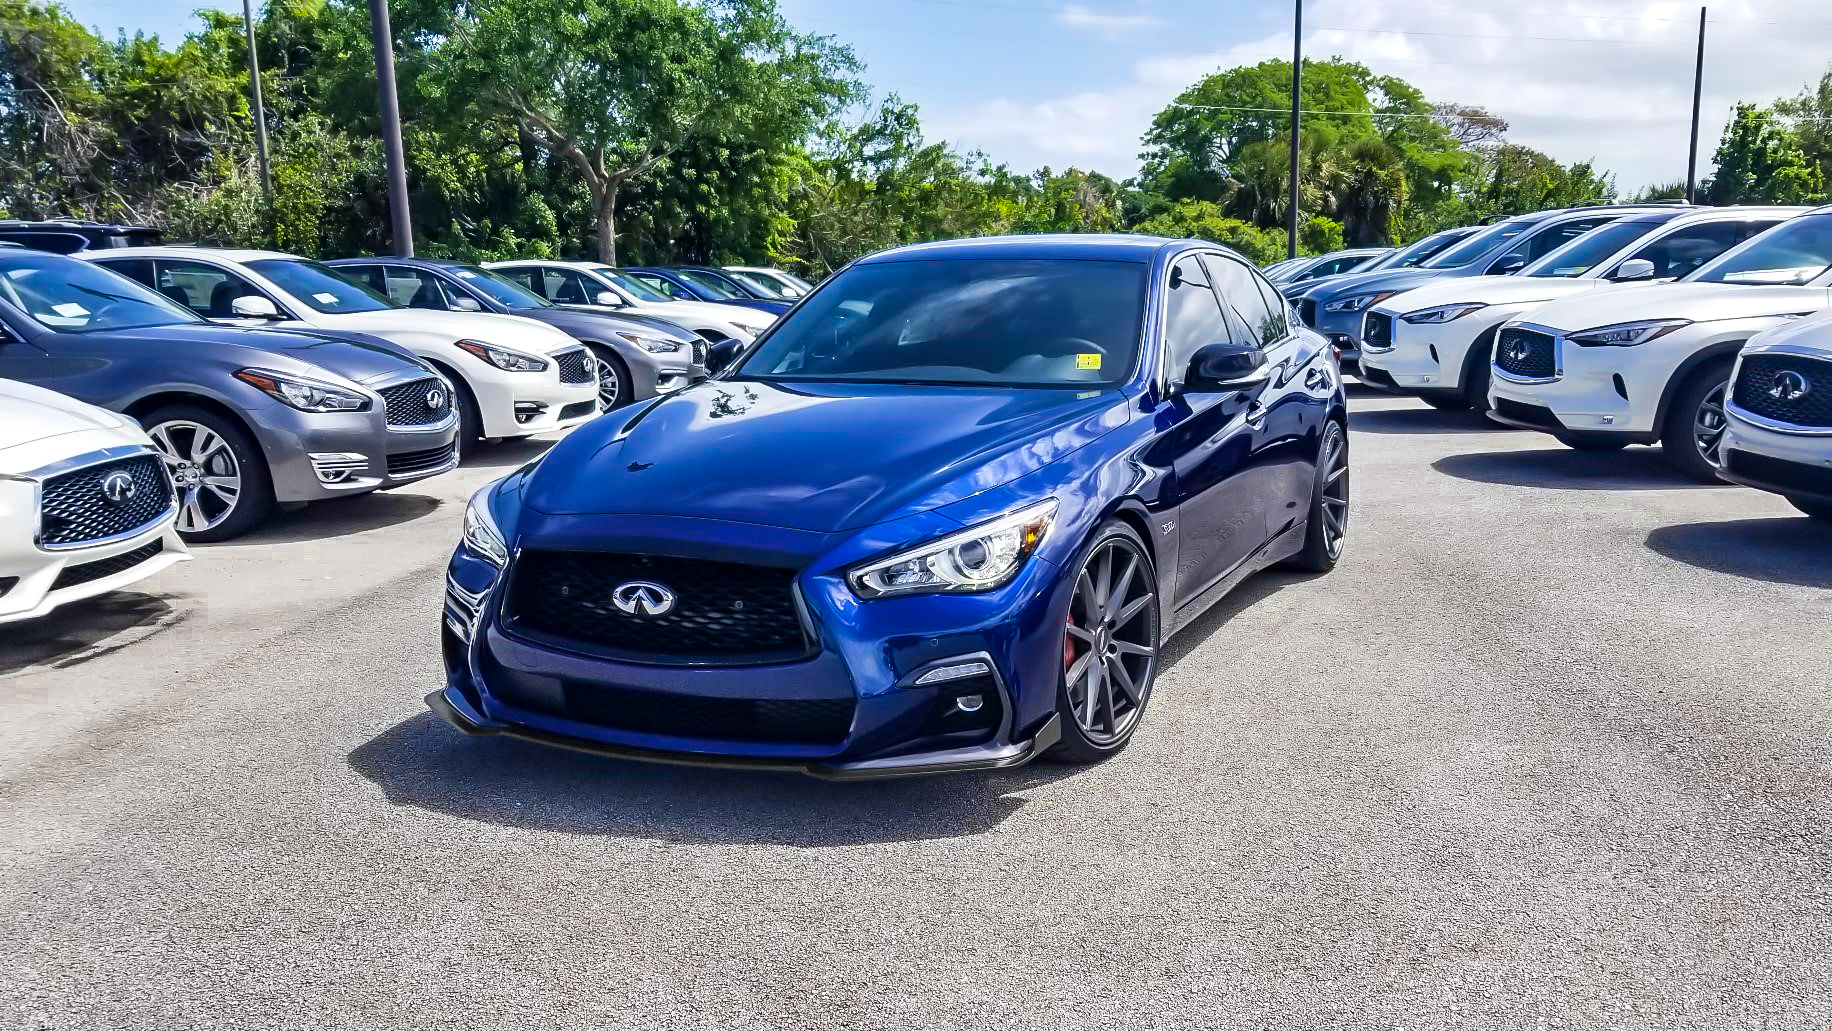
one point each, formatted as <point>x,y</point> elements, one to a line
<point>1820,510</point>
<point>224,488</point>
<point>1695,426</point>
<point>614,387</point>
<point>1109,647</point>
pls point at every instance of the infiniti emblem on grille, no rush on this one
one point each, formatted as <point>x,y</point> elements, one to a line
<point>642,598</point>
<point>435,399</point>
<point>1519,351</point>
<point>118,489</point>
<point>1789,385</point>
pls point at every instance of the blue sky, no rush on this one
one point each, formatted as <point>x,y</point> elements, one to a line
<point>1034,82</point>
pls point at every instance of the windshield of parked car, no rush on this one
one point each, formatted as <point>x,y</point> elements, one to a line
<point>1411,255</point>
<point>711,284</point>
<point>765,285</point>
<point>1007,321</point>
<point>1582,254</point>
<point>1476,246</point>
<point>71,296</point>
<point>630,284</point>
<point>319,287</point>
<point>1791,254</point>
<point>504,291</point>
<point>1280,271</point>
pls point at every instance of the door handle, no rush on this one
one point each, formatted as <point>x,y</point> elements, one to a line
<point>1316,379</point>
<point>1256,415</point>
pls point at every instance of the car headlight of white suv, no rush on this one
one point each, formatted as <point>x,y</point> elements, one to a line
<point>1627,334</point>
<point>1441,314</point>
<point>1358,302</point>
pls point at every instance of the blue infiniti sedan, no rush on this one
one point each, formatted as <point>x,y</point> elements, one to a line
<point>943,516</point>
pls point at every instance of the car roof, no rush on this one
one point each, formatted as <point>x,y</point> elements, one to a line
<point>392,259</point>
<point>121,228</point>
<point>179,250</point>
<point>1084,246</point>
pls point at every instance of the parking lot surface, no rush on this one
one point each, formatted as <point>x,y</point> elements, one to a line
<point>1549,749</point>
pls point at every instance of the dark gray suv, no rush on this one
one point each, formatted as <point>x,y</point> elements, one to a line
<point>246,418</point>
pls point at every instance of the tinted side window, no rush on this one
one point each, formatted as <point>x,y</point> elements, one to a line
<point>1276,304</point>
<point>1192,316</point>
<point>205,289</point>
<point>1679,252</point>
<point>413,287</point>
<point>140,270</point>
<point>368,275</point>
<point>530,278</point>
<point>1544,242</point>
<point>674,293</point>
<point>1242,294</point>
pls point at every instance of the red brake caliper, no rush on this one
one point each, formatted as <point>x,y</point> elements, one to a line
<point>1068,647</point>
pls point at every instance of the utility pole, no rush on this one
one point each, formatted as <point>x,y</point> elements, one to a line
<point>1297,91</point>
<point>391,128</point>
<point>260,115</point>
<point>1698,92</point>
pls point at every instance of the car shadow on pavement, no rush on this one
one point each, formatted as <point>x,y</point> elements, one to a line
<point>424,763</point>
<point>84,630</point>
<point>1783,551</point>
<point>1254,589</point>
<point>1633,468</point>
<point>1422,420</point>
<point>510,454</point>
<point>338,517</point>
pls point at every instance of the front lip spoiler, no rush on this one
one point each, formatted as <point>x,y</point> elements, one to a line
<point>454,709</point>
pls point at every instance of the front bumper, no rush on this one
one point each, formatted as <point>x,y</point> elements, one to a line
<point>519,404</point>
<point>316,456</point>
<point>1792,464</point>
<point>34,582</point>
<point>1427,358</point>
<point>1595,391</point>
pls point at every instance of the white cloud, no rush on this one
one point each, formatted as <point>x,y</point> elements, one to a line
<point>1579,80</point>
<point>1077,17</point>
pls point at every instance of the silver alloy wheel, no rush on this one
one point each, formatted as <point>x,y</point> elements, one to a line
<point>608,384</point>
<point>1111,643</point>
<point>1708,425</point>
<point>204,470</point>
<point>1335,494</point>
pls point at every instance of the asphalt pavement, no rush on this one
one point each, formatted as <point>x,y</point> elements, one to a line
<point>1551,749</point>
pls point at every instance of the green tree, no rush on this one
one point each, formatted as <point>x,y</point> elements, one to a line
<point>1760,161</point>
<point>1203,220</point>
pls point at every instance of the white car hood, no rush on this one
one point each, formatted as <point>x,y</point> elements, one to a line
<point>30,415</point>
<point>1813,332</point>
<point>1485,290</point>
<point>1700,302</point>
<point>753,319</point>
<point>505,330</point>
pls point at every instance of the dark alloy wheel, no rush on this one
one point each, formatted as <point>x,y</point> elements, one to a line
<point>1328,520</point>
<point>1109,647</point>
<point>1695,426</point>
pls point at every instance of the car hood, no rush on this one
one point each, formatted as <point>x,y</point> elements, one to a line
<point>1485,290</point>
<point>814,456</point>
<point>752,319</point>
<point>505,330</point>
<point>1370,282</point>
<point>1813,332</point>
<point>597,323</point>
<point>29,413</point>
<point>354,356</point>
<point>1699,302</point>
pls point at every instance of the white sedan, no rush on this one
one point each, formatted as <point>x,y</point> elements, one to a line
<point>86,504</point>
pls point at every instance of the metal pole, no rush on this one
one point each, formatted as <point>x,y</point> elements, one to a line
<point>1698,91</point>
<point>1297,90</point>
<point>260,114</point>
<point>391,128</point>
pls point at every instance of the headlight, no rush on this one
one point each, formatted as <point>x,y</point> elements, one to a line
<point>304,394</point>
<point>1359,302</point>
<point>509,361</point>
<point>1441,314</point>
<point>654,345</point>
<point>977,559</point>
<point>480,532</point>
<point>1627,334</point>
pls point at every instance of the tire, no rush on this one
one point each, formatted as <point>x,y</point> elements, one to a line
<point>470,419</point>
<point>614,387</point>
<point>1445,404</point>
<point>1110,646</point>
<point>224,486</point>
<point>1478,371</point>
<point>1328,517</point>
<point>1820,510</point>
<point>1593,445</point>
<point>1694,427</point>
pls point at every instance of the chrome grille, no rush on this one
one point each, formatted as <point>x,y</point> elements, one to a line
<point>1525,353</point>
<point>410,404</point>
<point>74,510</point>
<point>1377,331</point>
<point>1790,388</point>
<point>575,366</point>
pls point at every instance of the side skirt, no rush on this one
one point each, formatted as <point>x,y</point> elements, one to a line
<point>1276,550</point>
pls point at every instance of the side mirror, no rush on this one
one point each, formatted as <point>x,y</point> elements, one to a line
<point>1508,266</point>
<point>1633,268</point>
<point>465,304</point>
<point>608,299</point>
<point>1226,366</point>
<point>254,306</point>
<point>720,355</point>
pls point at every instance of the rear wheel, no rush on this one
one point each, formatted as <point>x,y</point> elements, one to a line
<point>224,487</point>
<point>1694,430</point>
<point>1109,647</point>
<point>1328,520</point>
<point>1821,510</point>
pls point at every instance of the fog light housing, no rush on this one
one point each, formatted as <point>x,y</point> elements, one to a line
<point>528,411</point>
<point>334,468</point>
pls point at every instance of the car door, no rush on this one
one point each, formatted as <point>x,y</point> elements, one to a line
<point>1206,439</point>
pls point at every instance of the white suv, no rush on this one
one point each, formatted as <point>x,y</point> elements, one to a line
<point>515,376</point>
<point>1779,434</point>
<point>1611,368</point>
<point>588,282</point>
<point>86,504</point>
<point>1435,342</point>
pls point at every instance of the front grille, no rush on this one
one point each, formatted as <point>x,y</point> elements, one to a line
<point>74,510</point>
<point>1779,472</point>
<point>1307,312</point>
<point>1377,331</point>
<point>1789,388</point>
<point>407,463</point>
<point>699,352</point>
<point>409,404</point>
<point>723,611</point>
<point>1532,415</point>
<point>575,366</point>
<point>761,720</point>
<point>1522,352</point>
<point>89,572</point>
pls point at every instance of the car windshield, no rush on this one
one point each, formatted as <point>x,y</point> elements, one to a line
<point>630,285</point>
<point>765,285</point>
<point>1476,246</point>
<point>1791,254</point>
<point>504,291</point>
<point>711,284</point>
<point>1410,256</point>
<point>319,287</point>
<point>1012,322</point>
<point>1582,254</point>
<point>71,296</point>
<point>1280,271</point>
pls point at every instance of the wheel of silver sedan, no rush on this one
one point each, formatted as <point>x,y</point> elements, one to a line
<point>204,470</point>
<point>1708,425</point>
<point>1335,494</point>
<point>1110,647</point>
